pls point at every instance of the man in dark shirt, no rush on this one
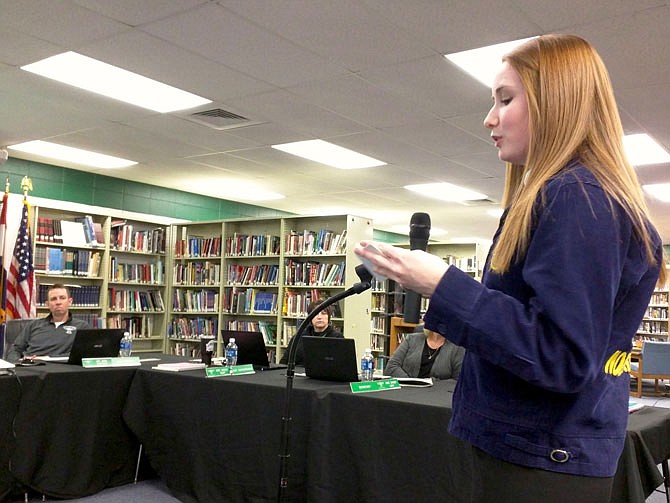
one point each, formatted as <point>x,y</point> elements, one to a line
<point>52,335</point>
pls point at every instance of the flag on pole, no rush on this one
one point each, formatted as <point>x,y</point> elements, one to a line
<point>3,271</point>
<point>21,288</point>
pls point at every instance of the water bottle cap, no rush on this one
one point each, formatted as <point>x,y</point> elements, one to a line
<point>232,339</point>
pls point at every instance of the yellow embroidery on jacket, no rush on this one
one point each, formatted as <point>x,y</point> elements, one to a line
<point>618,363</point>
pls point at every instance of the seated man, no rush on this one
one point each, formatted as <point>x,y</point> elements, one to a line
<point>52,335</point>
<point>320,327</point>
<point>426,354</point>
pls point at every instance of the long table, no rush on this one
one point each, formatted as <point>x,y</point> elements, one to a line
<point>61,430</point>
<point>218,440</point>
<point>68,432</point>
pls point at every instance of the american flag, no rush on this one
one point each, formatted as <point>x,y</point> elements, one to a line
<point>21,298</point>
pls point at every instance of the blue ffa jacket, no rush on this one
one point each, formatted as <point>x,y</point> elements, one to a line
<point>545,381</point>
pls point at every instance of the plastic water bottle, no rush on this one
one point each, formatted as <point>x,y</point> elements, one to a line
<point>231,353</point>
<point>367,365</point>
<point>126,345</point>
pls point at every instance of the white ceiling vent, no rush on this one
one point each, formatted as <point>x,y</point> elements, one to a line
<point>220,119</point>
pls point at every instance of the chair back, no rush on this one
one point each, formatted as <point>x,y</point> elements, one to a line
<point>656,358</point>
<point>12,330</point>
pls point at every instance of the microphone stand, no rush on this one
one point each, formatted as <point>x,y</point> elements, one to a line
<point>284,455</point>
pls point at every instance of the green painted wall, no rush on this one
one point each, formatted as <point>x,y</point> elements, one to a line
<point>64,184</point>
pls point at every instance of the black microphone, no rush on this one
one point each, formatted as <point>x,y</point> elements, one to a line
<point>419,232</point>
<point>284,455</point>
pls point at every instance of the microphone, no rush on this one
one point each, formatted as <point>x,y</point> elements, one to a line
<point>365,283</point>
<point>419,232</point>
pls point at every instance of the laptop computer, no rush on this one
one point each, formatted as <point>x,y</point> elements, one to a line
<point>250,349</point>
<point>95,343</point>
<point>330,358</point>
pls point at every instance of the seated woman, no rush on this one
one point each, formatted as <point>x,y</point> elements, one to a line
<point>320,327</point>
<point>426,354</point>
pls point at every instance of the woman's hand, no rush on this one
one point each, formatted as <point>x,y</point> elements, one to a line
<point>414,270</point>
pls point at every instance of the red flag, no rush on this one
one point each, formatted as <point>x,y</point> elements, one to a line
<point>21,298</point>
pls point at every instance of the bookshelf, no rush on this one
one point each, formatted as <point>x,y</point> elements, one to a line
<point>70,248</point>
<point>262,277</point>
<point>196,274</point>
<point>317,262</point>
<point>136,282</point>
<point>654,325</point>
<point>251,274</point>
<point>114,267</point>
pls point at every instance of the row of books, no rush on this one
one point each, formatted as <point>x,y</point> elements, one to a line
<point>467,264</point>
<point>146,273</point>
<point>260,274</point>
<point>82,231</point>
<point>185,349</point>
<point>185,301</point>
<point>660,313</point>
<point>307,242</point>
<point>249,301</point>
<point>653,327</point>
<point>659,297</point>
<point>313,273</point>
<point>378,324</point>
<point>135,300</point>
<point>124,237</point>
<point>256,245</point>
<point>92,319</point>
<point>138,326</point>
<point>197,246</point>
<point>193,327</point>
<point>268,330</point>
<point>64,261</point>
<point>196,273</point>
<point>82,296</point>
<point>296,302</point>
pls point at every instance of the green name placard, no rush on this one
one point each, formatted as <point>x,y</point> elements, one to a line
<point>369,386</point>
<point>121,361</point>
<point>229,371</point>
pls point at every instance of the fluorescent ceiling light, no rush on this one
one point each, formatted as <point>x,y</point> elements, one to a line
<point>660,191</point>
<point>483,63</point>
<point>71,154</point>
<point>446,192</point>
<point>114,82</point>
<point>329,154</point>
<point>642,149</point>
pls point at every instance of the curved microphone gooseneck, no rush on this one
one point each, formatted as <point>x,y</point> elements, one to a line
<point>284,455</point>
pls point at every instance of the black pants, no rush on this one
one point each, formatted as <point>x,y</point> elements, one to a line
<point>502,482</point>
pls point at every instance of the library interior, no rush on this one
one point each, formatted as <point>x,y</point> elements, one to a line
<point>197,170</point>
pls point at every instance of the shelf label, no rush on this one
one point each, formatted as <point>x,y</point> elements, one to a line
<point>369,386</point>
<point>229,371</point>
<point>120,361</point>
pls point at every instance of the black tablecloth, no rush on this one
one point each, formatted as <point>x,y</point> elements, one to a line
<point>69,439</point>
<point>218,440</point>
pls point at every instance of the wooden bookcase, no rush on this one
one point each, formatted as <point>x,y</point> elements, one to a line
<point>251,272</point>
<point>114,283</point>
<point>196,282</point>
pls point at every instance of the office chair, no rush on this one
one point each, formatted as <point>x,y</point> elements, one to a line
<point>12,330</point>
<point>654,364</point>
